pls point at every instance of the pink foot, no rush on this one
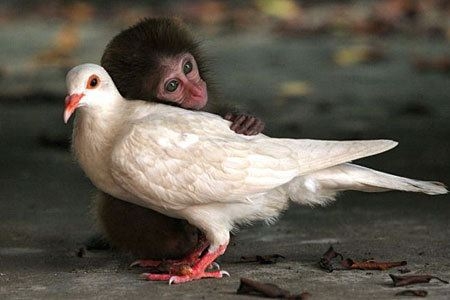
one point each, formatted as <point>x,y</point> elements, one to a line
<point>199,275</point>
<point>184,278</point>
<point>170,264</point>
<point>198,271</point>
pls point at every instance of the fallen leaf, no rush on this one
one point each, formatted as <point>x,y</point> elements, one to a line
<point>269,290</point>
<point>262,259</point>
<point>328,263</point>
<point>414,293</point>
<point>371,264</point>
<point>413,279</point>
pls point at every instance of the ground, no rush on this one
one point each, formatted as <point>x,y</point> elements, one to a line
<point>45,198</point>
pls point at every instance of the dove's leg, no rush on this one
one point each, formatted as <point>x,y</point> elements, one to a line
<point>175,264</point>
<point>197,271</point>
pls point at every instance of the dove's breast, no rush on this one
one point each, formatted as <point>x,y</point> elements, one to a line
<point>92,145</point>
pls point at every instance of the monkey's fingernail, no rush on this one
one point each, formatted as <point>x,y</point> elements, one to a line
<point>228,117</point>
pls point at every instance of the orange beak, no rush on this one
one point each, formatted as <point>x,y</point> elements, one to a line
<point>72,102</point>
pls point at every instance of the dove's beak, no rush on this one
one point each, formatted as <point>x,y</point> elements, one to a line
<point>72,103</point>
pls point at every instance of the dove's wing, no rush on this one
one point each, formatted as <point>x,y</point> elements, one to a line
<point>197,159</point>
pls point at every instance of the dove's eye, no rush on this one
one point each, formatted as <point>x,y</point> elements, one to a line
<point>93,82</point>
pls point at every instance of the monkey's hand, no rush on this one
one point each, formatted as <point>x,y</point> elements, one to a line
<point>245,124</point>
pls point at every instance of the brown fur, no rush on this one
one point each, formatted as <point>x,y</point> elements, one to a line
<point>144,232</point>
<point>137,52</point>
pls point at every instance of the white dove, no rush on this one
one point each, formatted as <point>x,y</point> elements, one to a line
<point>190,165</point>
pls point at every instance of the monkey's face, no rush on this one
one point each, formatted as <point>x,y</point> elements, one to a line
<point>181,83</point>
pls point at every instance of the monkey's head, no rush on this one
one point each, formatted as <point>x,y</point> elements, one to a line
<point>157,59</point>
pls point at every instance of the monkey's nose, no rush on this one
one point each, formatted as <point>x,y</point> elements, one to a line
<point>196,90</point>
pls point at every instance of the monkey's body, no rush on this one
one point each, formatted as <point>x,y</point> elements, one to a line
<point>133,59</point>
<point>143,232</point>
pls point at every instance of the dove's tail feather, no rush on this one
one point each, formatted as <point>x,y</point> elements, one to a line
<point>321,187</point>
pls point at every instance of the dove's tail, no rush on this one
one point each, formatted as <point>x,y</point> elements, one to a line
<point>320,187</point>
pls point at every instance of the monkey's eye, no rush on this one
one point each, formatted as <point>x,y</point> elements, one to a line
<point>93,82</point>
<point>187,68</point>
<point>172,85</point>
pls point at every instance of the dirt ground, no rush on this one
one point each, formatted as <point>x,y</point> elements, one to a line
<point>297,88</point>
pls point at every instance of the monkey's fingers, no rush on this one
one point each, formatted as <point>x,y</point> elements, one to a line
<point>247,125</point>
<point>257,128</point>
<point>230,117</point>
<point>238,122</point>
<point>252,126</point>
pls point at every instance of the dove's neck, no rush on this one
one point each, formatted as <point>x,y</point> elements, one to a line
<point>95,130</point>
<point>99,125</point>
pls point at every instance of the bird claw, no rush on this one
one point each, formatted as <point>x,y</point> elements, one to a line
<point>190,259</point>
<point>135,263</point>
<point>214,266</point>
<point>191,277</point>
<point>225,273</point>
<point>195,272</point>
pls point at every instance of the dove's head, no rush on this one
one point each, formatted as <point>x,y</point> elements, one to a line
<point>88,85</point>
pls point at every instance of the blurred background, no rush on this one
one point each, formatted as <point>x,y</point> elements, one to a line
<point>310,69</point>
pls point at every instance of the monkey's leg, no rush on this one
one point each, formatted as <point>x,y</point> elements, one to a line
<point>144,232</point>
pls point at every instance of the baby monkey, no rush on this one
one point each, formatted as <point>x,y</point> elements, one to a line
<point>159,60</point>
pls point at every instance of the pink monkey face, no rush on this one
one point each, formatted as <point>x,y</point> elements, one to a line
<point>181,83</point>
